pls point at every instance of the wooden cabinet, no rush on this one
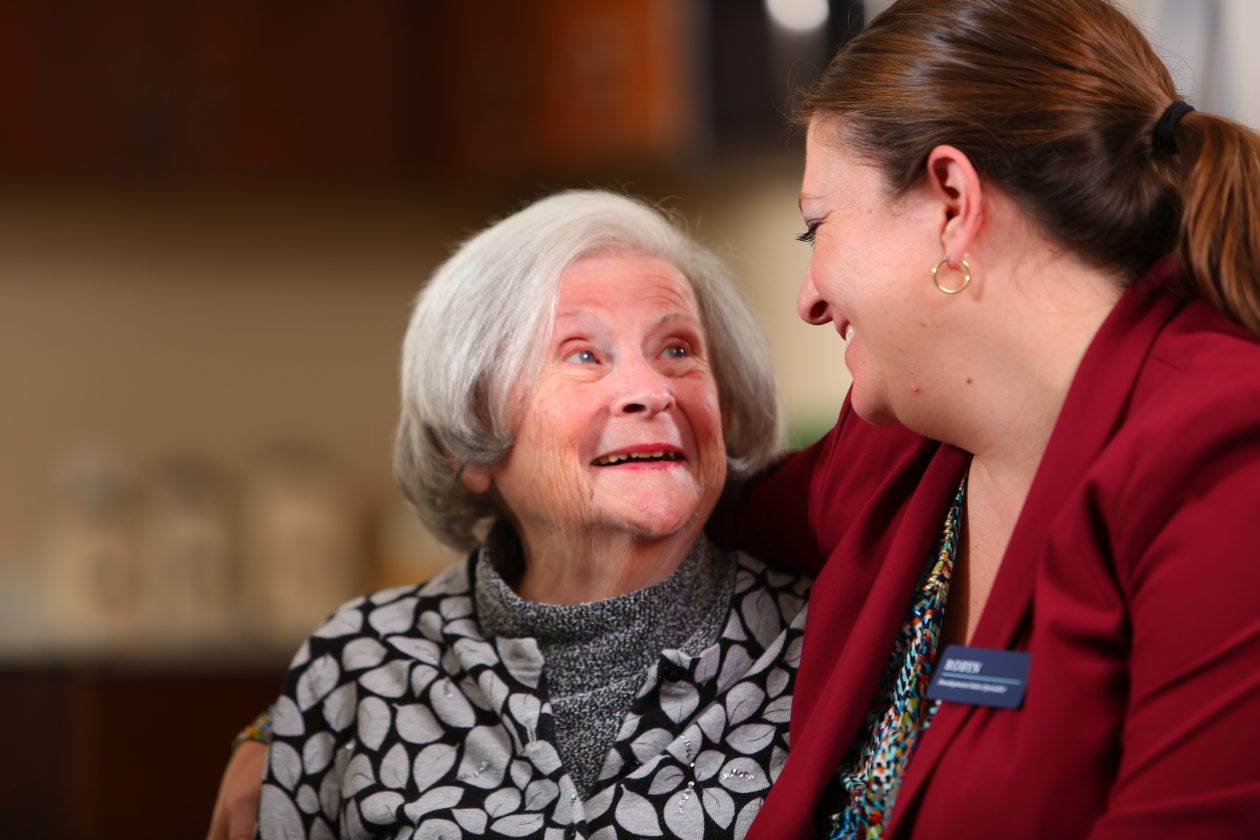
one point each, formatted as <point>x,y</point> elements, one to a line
<point>99,750</point>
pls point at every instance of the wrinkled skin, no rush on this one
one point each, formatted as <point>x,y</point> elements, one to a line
<point>626,366</point>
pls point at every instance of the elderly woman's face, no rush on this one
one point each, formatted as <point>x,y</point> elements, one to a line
<point>622,431</point>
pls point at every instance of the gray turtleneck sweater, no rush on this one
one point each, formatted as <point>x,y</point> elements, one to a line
<point>597,655</point>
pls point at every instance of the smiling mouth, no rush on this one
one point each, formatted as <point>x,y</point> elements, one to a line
<point>621,458</point>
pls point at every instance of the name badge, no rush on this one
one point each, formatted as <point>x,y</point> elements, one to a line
<point>981,677</point>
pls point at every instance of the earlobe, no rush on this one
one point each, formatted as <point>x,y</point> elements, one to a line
<point>475,479</point>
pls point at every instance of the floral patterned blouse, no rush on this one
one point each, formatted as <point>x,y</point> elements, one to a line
<point>399,718</point>
<point>869,778</point>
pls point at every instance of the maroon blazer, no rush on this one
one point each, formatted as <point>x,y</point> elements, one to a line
<point>1132,578</point>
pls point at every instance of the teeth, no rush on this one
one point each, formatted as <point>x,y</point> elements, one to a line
<point>848,333</point>
<point>610,460</point>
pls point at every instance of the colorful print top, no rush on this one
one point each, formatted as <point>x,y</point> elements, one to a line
<point>870,776</point>
<point>401,718</point>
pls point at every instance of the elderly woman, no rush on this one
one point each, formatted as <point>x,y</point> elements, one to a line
<point>579,381</point>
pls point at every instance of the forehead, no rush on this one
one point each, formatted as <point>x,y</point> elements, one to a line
<point>831,171</point>
<point>624,281</point>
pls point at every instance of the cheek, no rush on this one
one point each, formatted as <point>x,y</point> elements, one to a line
<point>704,414</point>
<point>560,422</point>
<point>866,268</point>
<point>549,449</point>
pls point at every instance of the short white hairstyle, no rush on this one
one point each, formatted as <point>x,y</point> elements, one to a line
<point>479,326</point>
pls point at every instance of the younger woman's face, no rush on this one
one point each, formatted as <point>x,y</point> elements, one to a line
<point>870,276</point>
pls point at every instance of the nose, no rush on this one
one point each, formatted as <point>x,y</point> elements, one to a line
<point>809,304</point>
<point>649,405</point>
<point>646,391</point>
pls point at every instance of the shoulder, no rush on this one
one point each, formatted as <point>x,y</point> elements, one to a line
<point>1199,391</point>
<point>397,610</point>
<point>767,600</point>
<point>1189,443</point>
<point>1205,353</point>
<point>371,643</point>
<point>751,573</point>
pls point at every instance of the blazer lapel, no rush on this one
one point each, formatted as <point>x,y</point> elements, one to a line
<point>858,609</point>
<point>1092,411</point>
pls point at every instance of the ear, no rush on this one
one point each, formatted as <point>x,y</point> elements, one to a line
<point>475,479</point>
<point>955,182</point>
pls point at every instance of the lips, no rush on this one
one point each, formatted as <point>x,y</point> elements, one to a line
<point>640,453</point>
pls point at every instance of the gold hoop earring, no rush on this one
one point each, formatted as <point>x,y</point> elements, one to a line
<point>966,272</point>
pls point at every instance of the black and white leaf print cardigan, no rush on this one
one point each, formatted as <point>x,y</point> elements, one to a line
<point>399,720</point>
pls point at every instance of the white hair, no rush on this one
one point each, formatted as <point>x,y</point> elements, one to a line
<point>478,328</point>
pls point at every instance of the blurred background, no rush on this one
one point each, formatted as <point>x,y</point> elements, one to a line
<point>213,219</point>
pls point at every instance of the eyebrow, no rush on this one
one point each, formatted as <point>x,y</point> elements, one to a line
<point>668,317</point>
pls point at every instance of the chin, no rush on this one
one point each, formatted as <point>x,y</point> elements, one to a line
<point>873,411</point>
<point>657,522</point>
<point>659,528</point>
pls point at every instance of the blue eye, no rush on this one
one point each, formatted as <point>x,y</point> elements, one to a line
<point>676,351</point>
<point>582,357</point>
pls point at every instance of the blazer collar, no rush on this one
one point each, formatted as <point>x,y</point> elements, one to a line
<point>1093,410</point>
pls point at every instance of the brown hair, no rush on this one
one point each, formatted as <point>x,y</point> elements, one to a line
<point>1056,101</point>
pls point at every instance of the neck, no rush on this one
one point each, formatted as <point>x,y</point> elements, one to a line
<point>562,568</point>
<point>1046,311</point>
<point>1041,321</point>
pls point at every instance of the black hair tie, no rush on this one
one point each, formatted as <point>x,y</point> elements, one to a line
<point>1165,140</point>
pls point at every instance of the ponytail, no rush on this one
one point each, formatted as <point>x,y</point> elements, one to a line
<point>1219,241</point>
